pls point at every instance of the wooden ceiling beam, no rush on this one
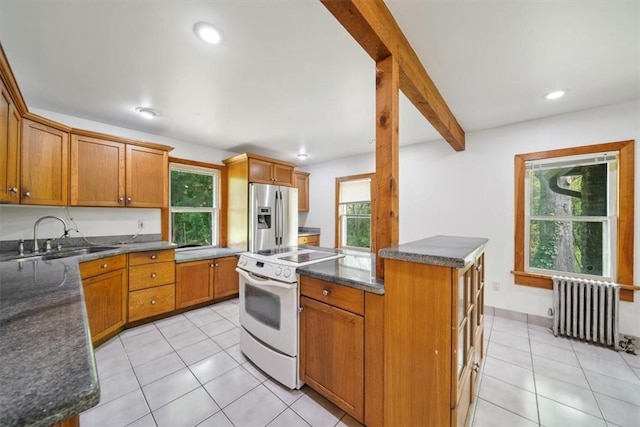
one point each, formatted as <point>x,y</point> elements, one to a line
<point>371,24</point>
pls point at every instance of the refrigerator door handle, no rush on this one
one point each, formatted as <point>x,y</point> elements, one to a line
<point>277,218</point>
<point>281,217</point>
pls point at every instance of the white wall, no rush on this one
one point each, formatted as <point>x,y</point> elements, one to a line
<point>471,193</point>
<point>16,222</point>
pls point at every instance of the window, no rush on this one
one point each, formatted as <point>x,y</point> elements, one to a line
<point>194,207</point>
<point>353,217</point>
<point>574,214</point>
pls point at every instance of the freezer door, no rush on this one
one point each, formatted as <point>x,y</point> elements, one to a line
<point>262,217</point>
<point>288,230</point>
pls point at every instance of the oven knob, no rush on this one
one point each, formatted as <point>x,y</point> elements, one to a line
<point>243,260</point>
<point>287,273</point>
<point>278,271</point>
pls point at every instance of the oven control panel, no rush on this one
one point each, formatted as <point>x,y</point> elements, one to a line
<point>267,269</point>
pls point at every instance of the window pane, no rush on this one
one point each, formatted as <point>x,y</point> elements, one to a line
<point>190,189</point>
<point>191,228</point>
<point>569,191</point>
<point>359,232</point>
<point>568,246</point>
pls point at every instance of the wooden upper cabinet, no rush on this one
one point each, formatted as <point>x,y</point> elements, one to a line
<point>264,170</point>
<point>147,182</point>
<point>301,182</point>
<point>9,148</point>
<point>44,167</point>
<point>97,172</point>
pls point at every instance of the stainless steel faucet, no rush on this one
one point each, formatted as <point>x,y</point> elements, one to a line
<point>35,230</point>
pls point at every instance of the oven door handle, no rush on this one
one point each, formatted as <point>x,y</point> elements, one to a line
<point>259,281</point>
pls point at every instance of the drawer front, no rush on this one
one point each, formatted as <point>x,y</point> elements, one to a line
<point>309,240</point>
<point>150,275</point>
<point>103,265</point>
<point>340,296</point>
<point>151,302</point>
<point>138,258</point>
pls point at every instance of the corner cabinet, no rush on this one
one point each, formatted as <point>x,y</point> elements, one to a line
<point>301,182</point>
<point>10,122</point>
<point>44,164</point>
<point>104,283</point>
<point>433,331</point>
<point>108,172</point>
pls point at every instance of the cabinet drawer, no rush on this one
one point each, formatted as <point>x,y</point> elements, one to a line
<point>137,258</point>
<point>152,301</point>
<point>103,265</point>
<point>344,297</point>
<point>149,275</point>
<point>309,240</point>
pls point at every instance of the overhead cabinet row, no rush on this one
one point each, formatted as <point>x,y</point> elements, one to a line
<point>48,164</point>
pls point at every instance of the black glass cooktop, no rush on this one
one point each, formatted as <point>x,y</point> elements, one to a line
<point>277,251</point>
<point>306,257</point>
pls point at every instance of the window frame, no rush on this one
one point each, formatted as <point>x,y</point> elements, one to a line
<point>338,225</point>
<point>222,198</point>
<point>623,257</point>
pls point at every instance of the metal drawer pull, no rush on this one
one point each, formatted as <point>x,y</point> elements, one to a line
<point>27,194</point>
<point>325,292</point>
<point>14,190</point>
<point>154,256</point>
<point>104,265</point>
<point>153,302</point>
<point>476,367</point>
<point>153,275</point>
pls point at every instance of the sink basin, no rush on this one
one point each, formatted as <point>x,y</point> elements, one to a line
<point>65,253</point>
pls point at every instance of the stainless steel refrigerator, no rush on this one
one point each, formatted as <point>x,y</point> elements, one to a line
<point>273,217</point>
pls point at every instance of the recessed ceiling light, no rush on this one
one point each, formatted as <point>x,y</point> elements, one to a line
<point>147,113</point>
<point>303,156</point>
<point>207,33</point>
<point>555,94</point>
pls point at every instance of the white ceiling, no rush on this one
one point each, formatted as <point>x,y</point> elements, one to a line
<point>289,77</point>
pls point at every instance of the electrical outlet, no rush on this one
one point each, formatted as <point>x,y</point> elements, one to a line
<point>495,285</point>
<point>140,223</point>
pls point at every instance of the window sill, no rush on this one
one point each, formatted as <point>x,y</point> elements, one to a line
<point>545,282</point>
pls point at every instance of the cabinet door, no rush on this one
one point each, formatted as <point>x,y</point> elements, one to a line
<point>97,172</point>
<point>282,175</point>
<point>335,370</point>
<point>260,171</point>
<point>147,177</point>
<point>194,282</point>
<point>44,168</point>
<point>105,297</point>
<point>226,281</point>
<point>9,140</point>
<point>478,321</point>
<point>301,182</point>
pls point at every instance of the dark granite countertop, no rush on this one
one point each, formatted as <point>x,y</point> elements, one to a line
<point>195,254</point>
<point>446,251</point>
<point>356,270</point>
<point>47,363</point>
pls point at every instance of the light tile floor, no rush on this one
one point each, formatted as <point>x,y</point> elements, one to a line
<point>187,370</point>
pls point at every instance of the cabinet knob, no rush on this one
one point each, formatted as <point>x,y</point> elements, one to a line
<point>153,275</point>
<point>479,267</point>
<point>212,265</point>
<point>128,199</point>
<point>153,256</point>
<point>103,265</point>
<point>153,302</point>
<point>27,194</point>
<point>13,190</point>
<point>325,292</point>
<point>476,367</point>
<point>121,199</point>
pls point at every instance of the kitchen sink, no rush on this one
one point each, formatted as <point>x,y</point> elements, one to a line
<point>64,253</point>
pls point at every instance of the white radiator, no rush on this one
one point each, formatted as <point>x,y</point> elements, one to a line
<point>586,309</point>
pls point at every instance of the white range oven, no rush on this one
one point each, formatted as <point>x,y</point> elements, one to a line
<point>269,308</point>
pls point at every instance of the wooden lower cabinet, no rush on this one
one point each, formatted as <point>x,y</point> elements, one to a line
<point>312,240</point>
<point>104,283</point>
<point>194,282</point>
<point>332,344</point>
<point>226,282</point>
<point>73,421</point>
<point>332,354</point>
<point>151,302</point>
